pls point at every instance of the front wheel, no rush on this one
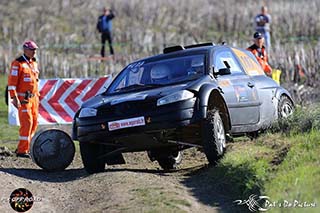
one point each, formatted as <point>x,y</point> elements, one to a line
<point>213,137</point>
<point>90,153</point>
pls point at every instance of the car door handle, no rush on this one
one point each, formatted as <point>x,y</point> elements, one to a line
<point>250,84</point>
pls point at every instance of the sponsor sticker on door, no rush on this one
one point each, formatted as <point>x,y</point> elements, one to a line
<point>126,123</point>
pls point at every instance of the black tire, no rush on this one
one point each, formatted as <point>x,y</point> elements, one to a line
<point>167,160</point>
<point>253,135</point>
<point>89,154</point>
<point>52,149</point>
<point>213,136</point>
<point>285,107</point>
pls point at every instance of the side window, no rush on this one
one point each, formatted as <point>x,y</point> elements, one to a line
<point>225,59</point>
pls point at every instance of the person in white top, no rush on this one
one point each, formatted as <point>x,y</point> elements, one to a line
<point>262,25</point>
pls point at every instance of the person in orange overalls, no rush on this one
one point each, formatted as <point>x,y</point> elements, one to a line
<point>24,94</point>
<point>258,49</point>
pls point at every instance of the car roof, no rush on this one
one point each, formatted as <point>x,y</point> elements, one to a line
<point>179,50</point>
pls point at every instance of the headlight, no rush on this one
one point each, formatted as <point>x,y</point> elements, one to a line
<point>87,112</point>
<point>175,97</point>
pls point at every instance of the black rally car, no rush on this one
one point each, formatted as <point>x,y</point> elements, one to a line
<point>188,96</point>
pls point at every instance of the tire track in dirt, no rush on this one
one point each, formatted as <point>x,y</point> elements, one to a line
<point>138,186</point>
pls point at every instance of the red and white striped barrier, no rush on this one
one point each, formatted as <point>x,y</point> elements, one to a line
<point>61,98</point>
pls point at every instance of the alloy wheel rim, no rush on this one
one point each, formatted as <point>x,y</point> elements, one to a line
<point>178,157</point>
<point>286,110</point>
<point>221,139</point>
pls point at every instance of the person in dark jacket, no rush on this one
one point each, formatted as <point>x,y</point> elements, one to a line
<point>262,25</point>
<point>104,26</point>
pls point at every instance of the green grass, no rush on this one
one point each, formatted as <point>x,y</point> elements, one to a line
<point>159,199</point>
<point>297,178</point>
<point>7,133</point>
<point>305,119</point>
<point>243,170</point>
<point>283,166</point>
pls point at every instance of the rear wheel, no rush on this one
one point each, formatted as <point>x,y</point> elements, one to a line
<point>285,107</point>
<point>253,135</point>
<point>213,136</point>
<point>90,153</point>
<point>167,160</point>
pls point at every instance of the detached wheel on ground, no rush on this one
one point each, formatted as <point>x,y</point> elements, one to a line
<point>213,136</point>
<point>285,107</point>
<point>52,149</point>
<point>90,153</point>
<point>168,160</point>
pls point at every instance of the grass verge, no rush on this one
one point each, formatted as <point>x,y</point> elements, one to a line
<point>283,166</point>
<point>7,133</point>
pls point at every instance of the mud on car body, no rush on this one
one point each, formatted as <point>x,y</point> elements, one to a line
<point>189,96</point>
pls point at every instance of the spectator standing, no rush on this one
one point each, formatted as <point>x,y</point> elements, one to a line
<point>24,93</point>
<point>104,26</point>
<point>258,49</point>
<point>262,25</point>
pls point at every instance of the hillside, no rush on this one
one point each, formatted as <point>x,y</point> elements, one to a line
<point>65,31</point>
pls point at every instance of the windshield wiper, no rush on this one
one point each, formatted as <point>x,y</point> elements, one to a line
<point>154,85</point>
<point>133,86</point>
<point>136,86</point>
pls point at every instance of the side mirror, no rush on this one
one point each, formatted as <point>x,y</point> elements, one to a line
<point>223,71</point>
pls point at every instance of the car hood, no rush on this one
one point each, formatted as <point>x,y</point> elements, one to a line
<point>114,99</point>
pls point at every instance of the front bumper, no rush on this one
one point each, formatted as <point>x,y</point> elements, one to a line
<point>170,116</point>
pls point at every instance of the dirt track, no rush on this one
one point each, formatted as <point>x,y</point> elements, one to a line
<point>138,186</point>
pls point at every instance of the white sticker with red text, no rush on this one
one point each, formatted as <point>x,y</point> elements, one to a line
<point>125,123</point>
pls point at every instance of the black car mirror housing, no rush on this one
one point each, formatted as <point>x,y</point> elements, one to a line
<point>223,71</point>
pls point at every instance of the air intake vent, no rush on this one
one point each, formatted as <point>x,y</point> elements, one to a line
<point>200,45</point>
<point>172,49</point>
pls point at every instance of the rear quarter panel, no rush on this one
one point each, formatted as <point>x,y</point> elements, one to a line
<point>269,92</point>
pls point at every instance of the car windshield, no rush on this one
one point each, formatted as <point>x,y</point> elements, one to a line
<point>144,74</point>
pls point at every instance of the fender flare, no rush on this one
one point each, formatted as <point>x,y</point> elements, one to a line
<point>282,91</point>
<point>207,93</point>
